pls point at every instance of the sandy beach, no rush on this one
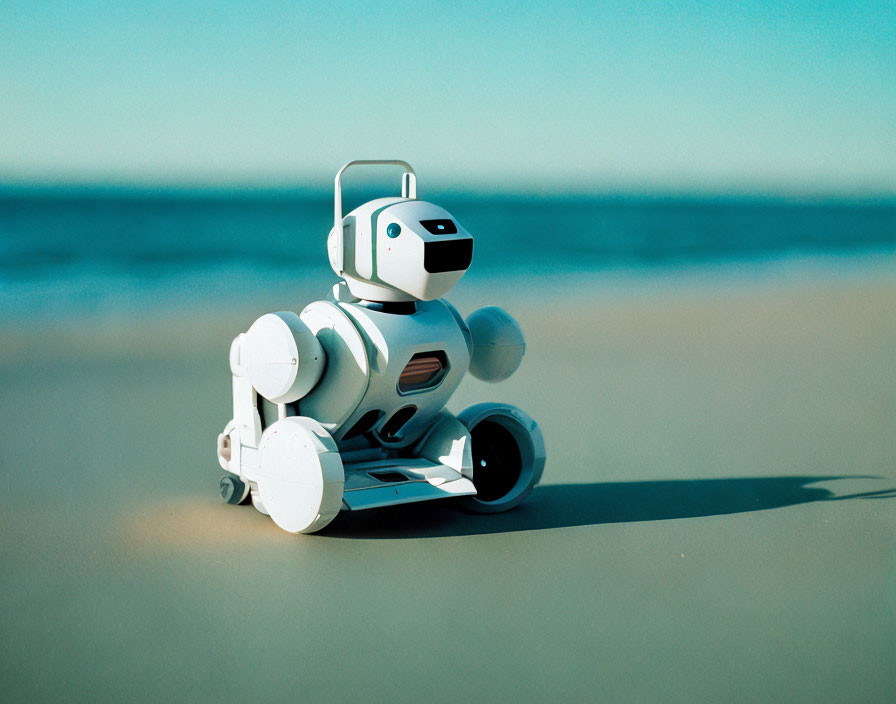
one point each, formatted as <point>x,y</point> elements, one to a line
<point>716,520</point>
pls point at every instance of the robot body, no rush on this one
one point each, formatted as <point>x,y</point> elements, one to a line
<point>415,360</point>
<point>342,407</point>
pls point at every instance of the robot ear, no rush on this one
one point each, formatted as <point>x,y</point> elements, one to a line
<point>340,244</point>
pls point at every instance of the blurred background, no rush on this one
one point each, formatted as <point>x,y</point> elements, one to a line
<point>689,207</point>
<point>154,155</point>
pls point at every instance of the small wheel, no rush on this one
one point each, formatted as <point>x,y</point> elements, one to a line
<point>234,491</point>
<point>508,456</point>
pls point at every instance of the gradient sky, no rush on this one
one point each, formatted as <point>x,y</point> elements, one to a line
<point>794,97</point>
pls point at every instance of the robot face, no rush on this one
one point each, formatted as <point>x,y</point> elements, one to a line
<point>397,249</point>
<point>420,249</point>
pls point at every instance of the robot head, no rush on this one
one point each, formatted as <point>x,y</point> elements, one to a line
<point>399,249</point>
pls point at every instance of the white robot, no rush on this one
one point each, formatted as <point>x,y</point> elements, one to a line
<point>342,407</point>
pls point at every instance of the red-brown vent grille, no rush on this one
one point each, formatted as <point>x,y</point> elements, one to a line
<point>424,371</point>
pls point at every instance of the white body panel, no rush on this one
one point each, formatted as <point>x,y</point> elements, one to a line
<point>284,357</point>
<point>347,374</point>
<point>391,340</point>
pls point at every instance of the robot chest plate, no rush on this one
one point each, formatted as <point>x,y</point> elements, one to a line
<point>414,363</point>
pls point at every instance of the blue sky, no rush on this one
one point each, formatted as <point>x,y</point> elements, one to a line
<point>794,97</point>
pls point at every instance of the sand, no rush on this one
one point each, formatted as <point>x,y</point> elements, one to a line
<point>716,521</point>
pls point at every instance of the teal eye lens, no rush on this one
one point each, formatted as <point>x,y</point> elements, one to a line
<point>394,230</point>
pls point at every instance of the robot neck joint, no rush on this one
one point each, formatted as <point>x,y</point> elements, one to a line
<point>393,307</point>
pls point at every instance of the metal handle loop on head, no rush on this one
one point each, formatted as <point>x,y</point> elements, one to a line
<point>408,190</point>
<point>408,182</point>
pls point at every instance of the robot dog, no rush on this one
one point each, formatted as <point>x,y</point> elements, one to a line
<point>342,407</point>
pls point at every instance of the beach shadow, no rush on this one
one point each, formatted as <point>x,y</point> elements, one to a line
<point>568,505</point>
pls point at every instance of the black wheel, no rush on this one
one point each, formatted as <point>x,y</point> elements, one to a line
<point>508,456</point>
<point>496,460</point>
<point>234,491</point>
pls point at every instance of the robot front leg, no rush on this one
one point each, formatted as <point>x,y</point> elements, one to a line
<point>237,445</point>
<point>295,475</point>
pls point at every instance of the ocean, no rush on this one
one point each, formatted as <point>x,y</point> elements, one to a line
<point>75,252</point>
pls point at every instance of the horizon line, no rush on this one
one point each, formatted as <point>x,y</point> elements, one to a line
<point>250,189</point>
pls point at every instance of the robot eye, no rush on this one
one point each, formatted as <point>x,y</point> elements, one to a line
<point>394,230</point>
<point>440,227</point>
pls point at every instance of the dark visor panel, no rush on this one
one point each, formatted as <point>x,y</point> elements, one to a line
<point>453,255</point>
<point>440,227</point>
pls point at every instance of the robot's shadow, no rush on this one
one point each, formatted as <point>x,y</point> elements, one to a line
<point>569,505</point>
